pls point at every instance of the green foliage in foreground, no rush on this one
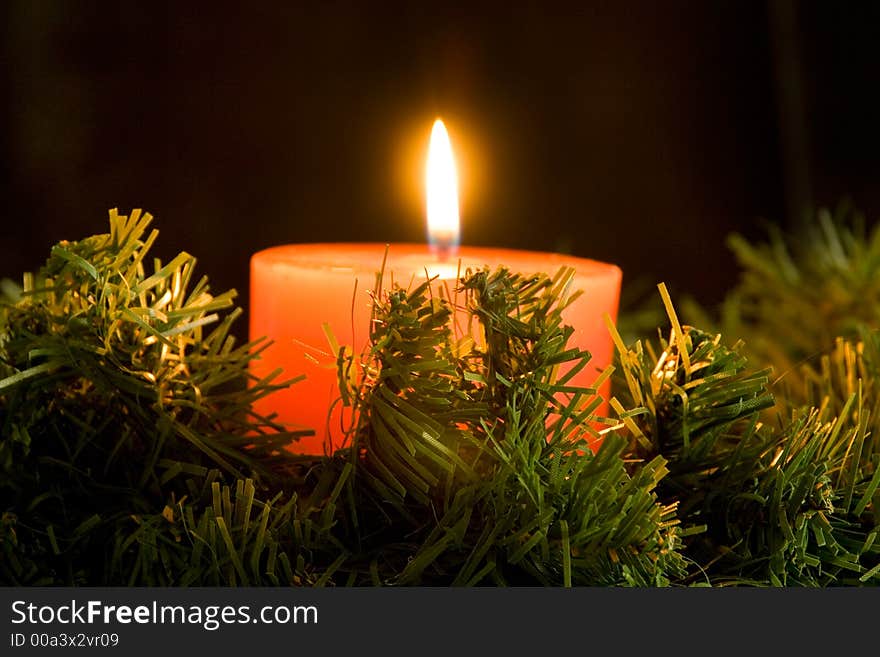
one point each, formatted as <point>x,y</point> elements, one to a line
<point>788,503</point>
<point>114,383</point>
<point>130,455</point>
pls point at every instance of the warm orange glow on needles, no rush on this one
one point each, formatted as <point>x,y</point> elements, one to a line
<point>441,186</point>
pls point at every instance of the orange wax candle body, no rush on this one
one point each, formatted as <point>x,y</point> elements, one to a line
<point>297,288</point>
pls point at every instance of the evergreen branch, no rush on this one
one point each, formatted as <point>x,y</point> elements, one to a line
<point>105,372</point>
<point>131,454</point>
<point>783,505</point>
<point>479,448</point>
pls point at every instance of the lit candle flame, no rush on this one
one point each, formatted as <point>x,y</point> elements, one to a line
<point>442,193</point>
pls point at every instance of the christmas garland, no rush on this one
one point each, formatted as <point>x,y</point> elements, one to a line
<point>131,453</point>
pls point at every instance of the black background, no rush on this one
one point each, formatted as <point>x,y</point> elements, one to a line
<point>639,133</point>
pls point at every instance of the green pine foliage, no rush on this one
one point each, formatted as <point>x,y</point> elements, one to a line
<point>131,455</point>
<point>791,503</point>
<point>743,453</point>
<point>477,453</point>
<point>779,463</point>
<point>115,381</point>
<point>799,293</point>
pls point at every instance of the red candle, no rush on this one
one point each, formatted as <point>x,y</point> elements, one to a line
<point>298,288</point>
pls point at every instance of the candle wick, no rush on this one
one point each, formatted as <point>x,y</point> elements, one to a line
<point>443,253</point>
<point>444,246</point>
